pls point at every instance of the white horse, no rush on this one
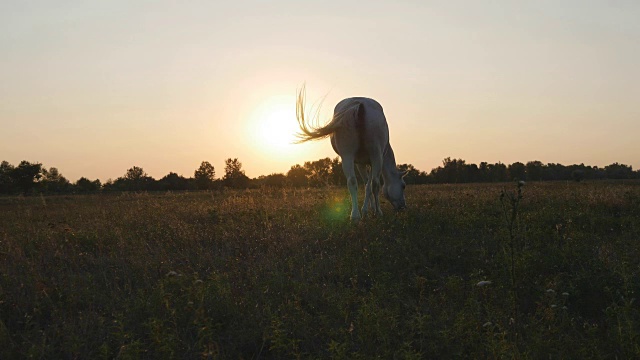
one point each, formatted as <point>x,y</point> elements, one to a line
<point>360,135</point>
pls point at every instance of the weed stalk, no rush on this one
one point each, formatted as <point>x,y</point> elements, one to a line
<point>510,205</point>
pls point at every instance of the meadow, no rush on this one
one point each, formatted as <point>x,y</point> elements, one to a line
<point>468,271</point>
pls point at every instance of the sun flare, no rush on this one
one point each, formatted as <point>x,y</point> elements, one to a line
<point>274,125</point>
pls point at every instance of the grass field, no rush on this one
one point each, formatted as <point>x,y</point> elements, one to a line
<point>283,274</point>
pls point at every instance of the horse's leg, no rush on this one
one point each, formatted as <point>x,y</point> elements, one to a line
<point>352,183</point>
<point>368,199</point>
<point>376,172</point>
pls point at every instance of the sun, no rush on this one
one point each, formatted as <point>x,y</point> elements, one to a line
<point>274,125</point>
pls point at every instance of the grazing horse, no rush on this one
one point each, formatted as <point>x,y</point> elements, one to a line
<point>360,135</point>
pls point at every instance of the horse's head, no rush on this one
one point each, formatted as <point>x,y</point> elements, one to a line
<point>393,190</point>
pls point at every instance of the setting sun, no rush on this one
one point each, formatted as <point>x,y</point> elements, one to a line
<point>274,125</point>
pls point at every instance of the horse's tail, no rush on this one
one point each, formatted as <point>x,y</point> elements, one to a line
<point>310,131</point>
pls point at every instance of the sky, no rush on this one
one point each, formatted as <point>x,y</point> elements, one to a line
<point>94,88</point>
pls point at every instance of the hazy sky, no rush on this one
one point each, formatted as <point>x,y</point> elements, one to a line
<point>96,87</point>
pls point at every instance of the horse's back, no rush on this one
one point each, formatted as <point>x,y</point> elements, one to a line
<point>364,135</point>
<point>367,102</point>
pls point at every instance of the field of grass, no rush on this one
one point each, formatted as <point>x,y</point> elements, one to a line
<point>463,273</point>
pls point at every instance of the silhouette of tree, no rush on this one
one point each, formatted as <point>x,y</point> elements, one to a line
<point>174,182</point>
<point>6,180</point>
<point>318,172</point>
<point>473,173</point>
<point>413,176</point>
<point>534,170</point>
<point>53,181</point>
<point>578,175</point>
<point>234,176</point>
<point>517,171</point>
<point>337,175</point>
<point>205,176</point>
<point>451,171</point>
<point>553,171</point>
<point>498,172</point>
<point>618,171</point>
<point>110,185</point>
<point>135,174</point>
<point>135,179</point>
<point>297,176</point>
<point>84,185</point>
<point>272,180</point>
<point>483,172</point>
<point>26,175</point>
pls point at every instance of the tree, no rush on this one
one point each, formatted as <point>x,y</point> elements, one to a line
<point>135,174</point>
<point>205,176</point>
<point>517,171</point>
<point>498,172</point>
<point>109,185</point>
<point>53,181</point>
<point>134,179</point>
<point>85,185</point>
<point>483,172</point>
<point>413,176</point>
<point>26,175</point>
<point>337,174</point>
<point>297,176</point>
<point>534,170</point>
<point>577,175</point>
<point>473,173</point>
<point>273,180</point>
<point>173,181</point>
<point>234,176</point>
<point>451,171</point>
<point>318,172</point>
<point>619,171</point>
<point>6,181</point>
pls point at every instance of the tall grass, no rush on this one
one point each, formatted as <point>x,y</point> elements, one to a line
<point>283,274</point>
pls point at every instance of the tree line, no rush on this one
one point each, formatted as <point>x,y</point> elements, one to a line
<point>458,171</point>
<point>28,178</point>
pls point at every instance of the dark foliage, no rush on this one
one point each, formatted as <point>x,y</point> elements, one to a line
<point>28,178</point>
<point>234,176</point>
<point>204,176</point>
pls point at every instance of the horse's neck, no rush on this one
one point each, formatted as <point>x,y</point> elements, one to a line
<point>389,164</point>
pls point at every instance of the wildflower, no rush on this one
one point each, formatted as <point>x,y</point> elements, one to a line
<point>483,283</point>
<point>172,273</point>
<point>550,291</point>
<point>487,324</point>
<point>565,294</point>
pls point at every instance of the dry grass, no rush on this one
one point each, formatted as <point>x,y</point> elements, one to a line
<point>281,273</point>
